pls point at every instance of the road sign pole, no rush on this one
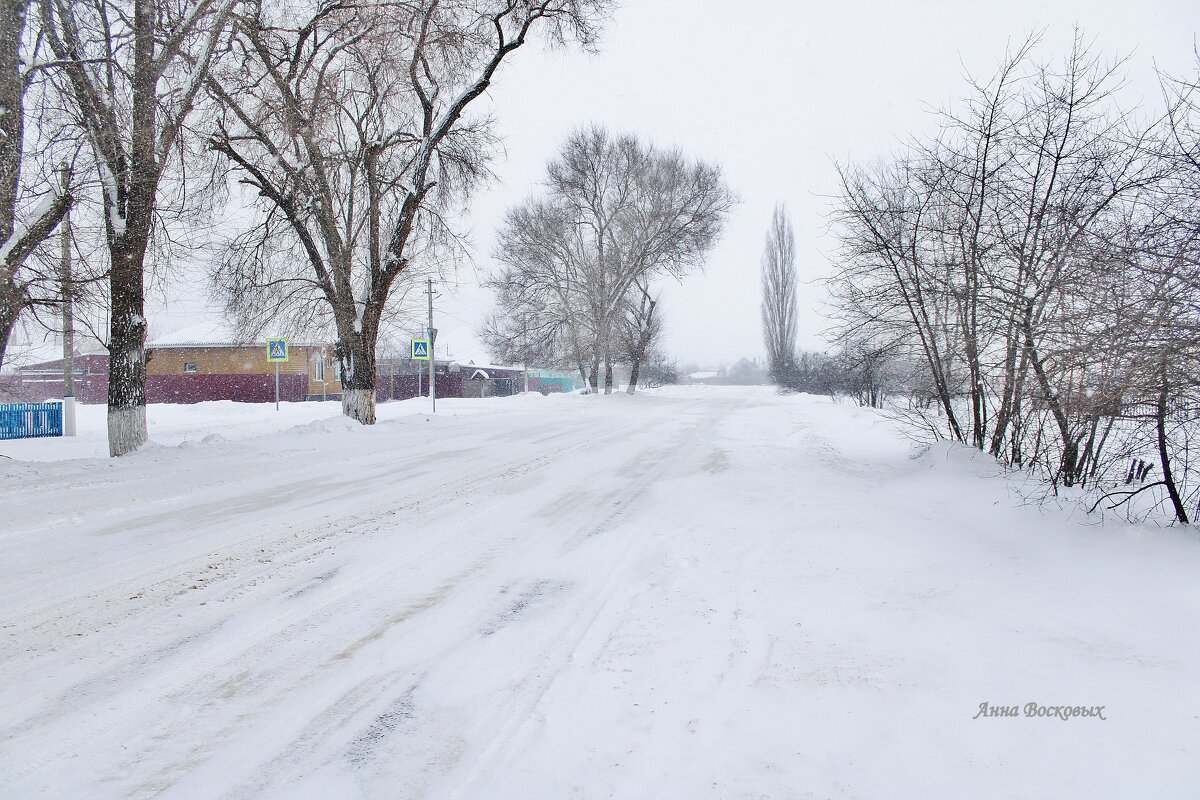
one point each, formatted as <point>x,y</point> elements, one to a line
<point>432,348</point>
<point>277,352</point>
<point>432,373</point>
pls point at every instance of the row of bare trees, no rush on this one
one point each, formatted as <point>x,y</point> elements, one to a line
<point>1039,256</point>
<point>579,261</point>
<point>340,132</point>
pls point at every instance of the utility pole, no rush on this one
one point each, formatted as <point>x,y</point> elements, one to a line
<point>68,318</point>
<point>525,350</point>
<point>432,331</point>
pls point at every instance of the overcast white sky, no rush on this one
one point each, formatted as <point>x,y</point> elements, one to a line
<point>772,90</point>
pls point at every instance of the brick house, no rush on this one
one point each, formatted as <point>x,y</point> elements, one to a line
<point>199,363</point>
<point>204,363</point>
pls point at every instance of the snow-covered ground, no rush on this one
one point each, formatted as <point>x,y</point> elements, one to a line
<point>697,593</point>
<point>185,425</point>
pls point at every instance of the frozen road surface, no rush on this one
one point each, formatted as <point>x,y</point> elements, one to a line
<point>705,593</point>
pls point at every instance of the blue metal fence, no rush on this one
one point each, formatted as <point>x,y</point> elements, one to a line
<point>29,420</point>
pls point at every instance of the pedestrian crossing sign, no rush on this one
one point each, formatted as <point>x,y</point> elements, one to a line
<point>420,349</point>
<point>277,350</point>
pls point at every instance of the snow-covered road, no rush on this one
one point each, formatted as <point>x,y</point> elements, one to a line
<point>705,593</point>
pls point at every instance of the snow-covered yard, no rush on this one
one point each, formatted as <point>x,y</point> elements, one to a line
<point>696,593</point>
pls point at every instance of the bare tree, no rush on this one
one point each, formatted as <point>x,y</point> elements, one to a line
<point>867,370</point>
<point>972,161</point>
<point>134,69</point>
<point>1080,161</point>
<point>779,311</point>
<point>351,125</point>
<point>32,202</point>
<point>517,333</point>
<point>642,330</point>
<point>891,278</point>
<point>616,212</point>
<point>541,294</point>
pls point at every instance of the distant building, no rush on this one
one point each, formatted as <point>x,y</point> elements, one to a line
<point>552,381</point>
<point>403,378</point>
<point>491,380</point>
<point>34,383</point>
<point>204,362</point>
<point>747,372</point>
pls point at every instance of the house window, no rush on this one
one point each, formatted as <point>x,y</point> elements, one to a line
<point>189,366</point>
<point>320,373</point>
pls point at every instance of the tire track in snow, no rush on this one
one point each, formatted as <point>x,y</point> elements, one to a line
<point>368,708</point>
<point>522,713</point>
<point>129,485</point>
<point>115,714</point>
<point>269,547</point>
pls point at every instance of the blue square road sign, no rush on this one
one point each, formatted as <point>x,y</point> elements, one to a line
<point>277,350</point>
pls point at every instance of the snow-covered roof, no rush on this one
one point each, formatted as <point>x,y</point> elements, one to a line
<point>485,367</point>
<point>46,348</point>
<point>210,333</point>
